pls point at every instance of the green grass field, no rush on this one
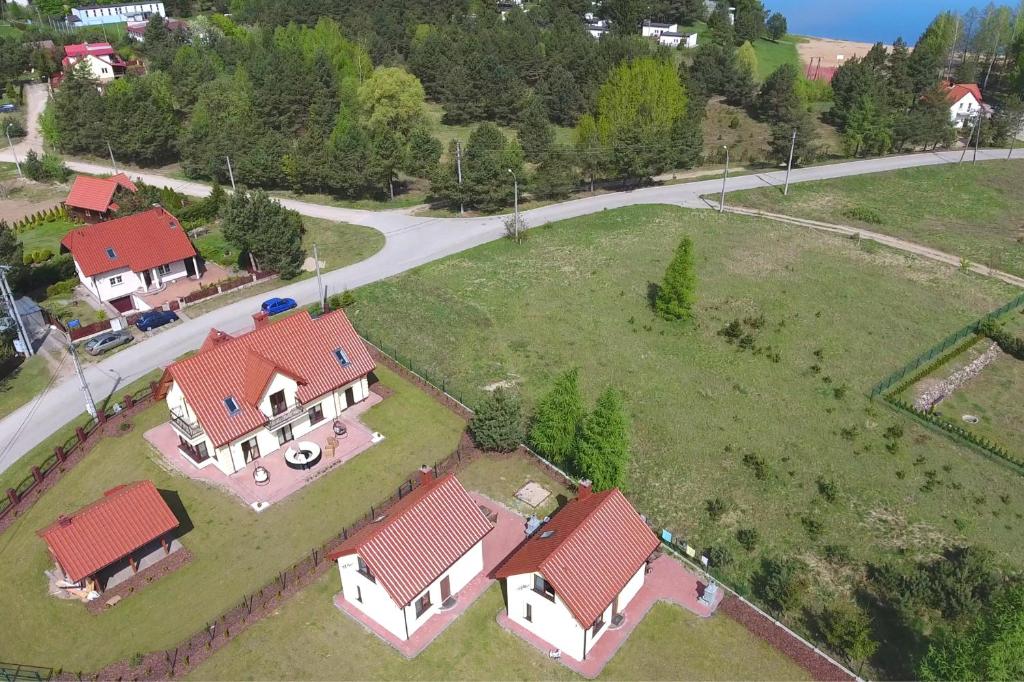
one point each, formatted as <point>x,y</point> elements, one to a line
<point>771,55</point>
<point>311,639</point>
<point>23,384</point>
<point>993,396</point>
<point>973,211</point>
<point>235,549</point>
<point>839,316</point>
<point>46,236</point>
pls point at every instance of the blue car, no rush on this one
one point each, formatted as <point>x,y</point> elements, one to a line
<point>273,306</point>
<point>7,108</point>
<point>155,318</point>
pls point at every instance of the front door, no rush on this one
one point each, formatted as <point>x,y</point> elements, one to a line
<point>148,278</point>
<point>250,450</point>
<point>446,589</point>
<point>350,397</point>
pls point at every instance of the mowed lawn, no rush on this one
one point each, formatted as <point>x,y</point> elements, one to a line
<point>994,397</point>
<point>309,638</point>
<point>838,316</point>
<point>23,384</point>
<point>235,549</point>
<point>973,211</point>
<point>773,54</point>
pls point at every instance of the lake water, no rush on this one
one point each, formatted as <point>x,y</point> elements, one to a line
<point>867,20</point>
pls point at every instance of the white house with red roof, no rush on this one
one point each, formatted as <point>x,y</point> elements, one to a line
<point>101,58</point>
<point>965,103</point>
<point>575,576</point>
<point>408,564</point>
<point>242,397</point>
<point>120,259</point>
<point>92,199</point>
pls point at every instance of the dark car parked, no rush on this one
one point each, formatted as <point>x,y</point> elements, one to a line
<point>273,306</point>
<point>155,318</point>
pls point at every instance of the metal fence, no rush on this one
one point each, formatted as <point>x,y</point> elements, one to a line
<point>16,672</point>
<point>940,348</point>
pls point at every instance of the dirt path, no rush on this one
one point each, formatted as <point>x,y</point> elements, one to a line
<point>892,242</point>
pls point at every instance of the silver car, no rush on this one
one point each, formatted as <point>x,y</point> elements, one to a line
<point>104,342</point>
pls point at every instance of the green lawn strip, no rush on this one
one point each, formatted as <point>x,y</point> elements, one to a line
<point>23,384</point>
<point>501,477</point>
<point>12,476</point>
<point>771,55</point>
<point>339,244</point>
<point>235,549</point>
<point>993,396</point>
<point>972,210</point>
<point>576,295</point>
<point>46,236</point>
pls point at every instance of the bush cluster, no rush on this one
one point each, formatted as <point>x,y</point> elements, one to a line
<point>39,218</point>
<point>48,168</point>
<point>1007,342</point>
<point>36,257</point>
<point>864,215</point>
<point>62,288</point>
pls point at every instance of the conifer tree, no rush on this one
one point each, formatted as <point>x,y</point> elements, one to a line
<point>556,419</point>
<point>676,295</point>
<point>497,425</point>
<point>602,443</point>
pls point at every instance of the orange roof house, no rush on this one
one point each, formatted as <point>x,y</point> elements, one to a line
<point>109,530</point>
<point>400,569</point>
<point>295,373</point>
<point>92,199</point>
<point>579,570</point>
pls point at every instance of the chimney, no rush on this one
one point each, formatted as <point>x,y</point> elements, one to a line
<point>64,521</point>
<point>583,489</point>
<point>426,475</point>
<point>260,319</point>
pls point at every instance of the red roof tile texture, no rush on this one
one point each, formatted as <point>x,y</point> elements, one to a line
<point>958,91</point>
<point>138,242</point>
<point>419,538</point>
<point>588,552</point>
<point>125,519</point>
<point>241,367</point>
<point>97,194</point>
<point>82,49</point>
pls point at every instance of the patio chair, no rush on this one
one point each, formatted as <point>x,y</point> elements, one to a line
<point>261,476</point>
<point>339,428</point>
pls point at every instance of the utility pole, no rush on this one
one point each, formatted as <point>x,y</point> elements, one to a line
<point>319,282</point>
<point>725,176</point>
<point>112,161</point>
<point>231,174</point>
<point>7,132</point>
<point>1013,142</point>
<point>789,166</point>
<point>458,166</point>
<point>977,142</point>
<point>968,145</point>
<point>515,189</point>
<point>19,324</point>
<point>90,404</point>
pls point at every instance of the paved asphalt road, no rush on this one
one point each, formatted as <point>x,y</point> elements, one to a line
<point>410,241</point>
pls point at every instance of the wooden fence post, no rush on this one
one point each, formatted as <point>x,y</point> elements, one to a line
<point>59,452</point>
<point>37,474</point>
<point>80,434</point>
<point>12,495</point>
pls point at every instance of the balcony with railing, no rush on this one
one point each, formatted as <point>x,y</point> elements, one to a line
<point>185,426</point>
<point>285,415</point>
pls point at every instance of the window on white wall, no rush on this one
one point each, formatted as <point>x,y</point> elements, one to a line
<point>529,613</point>
<point>114,281</point>
<point>422,604</point>
<point>164,269</point>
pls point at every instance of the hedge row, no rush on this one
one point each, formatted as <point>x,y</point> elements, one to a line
<point>40,217</point>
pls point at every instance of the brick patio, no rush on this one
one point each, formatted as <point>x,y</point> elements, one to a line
<point>186,285</point>
<point>668,581</point>
<point>283,480</point>
<point>499,543</point>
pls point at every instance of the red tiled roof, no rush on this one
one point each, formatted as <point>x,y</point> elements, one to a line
<point>957,91</point>
<point>126,518</point>
<point>96,194</point>
<point>595,546</point>
<point>420,537</point>
<point>297,346</point>
<point>139,242</point>
<point>83,49</point>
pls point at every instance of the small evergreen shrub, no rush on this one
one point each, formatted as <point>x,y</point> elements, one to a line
<point>497,425</point>
<point>864,215</point>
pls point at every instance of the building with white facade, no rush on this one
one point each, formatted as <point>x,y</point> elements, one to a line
<point>120,260</point>
<point>675,39</point>
<point>576,575</point>
<point>96,15</point>
<point>242,397</point>
<point>652,29</point>
<point>965,103</point>
<point>409,564</point>
<point>101,59</point>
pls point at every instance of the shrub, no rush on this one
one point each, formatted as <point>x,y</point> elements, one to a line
<point>716,507</point>
<point>13,126</point>
<point>828,489</point>
<point>343,300</point>
<point>748,537</point>
<point>62,288</point>
<point>731,331</point>
<point>497,424</point>
<point>676,294</point>
<point>718,556</point>
<point>757,464</point>
<point>838,554</point>
<point>812,526</point>
<point>780,583</point>
<point>864,215</point>
<point>847,631</point>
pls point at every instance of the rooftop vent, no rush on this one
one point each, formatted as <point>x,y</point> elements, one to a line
<point>547,534</point>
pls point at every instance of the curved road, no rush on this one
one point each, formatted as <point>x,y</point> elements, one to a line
<point>410,241</point>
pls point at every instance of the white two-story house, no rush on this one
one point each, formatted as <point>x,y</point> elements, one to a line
<point>101,59</point>
<point>119,260</point>
<point>406,566</point>
<point>243,397</point>
<point>965,103</point>
<point>575,575</point>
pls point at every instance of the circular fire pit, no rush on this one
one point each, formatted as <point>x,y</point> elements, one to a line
<point>303,456</point>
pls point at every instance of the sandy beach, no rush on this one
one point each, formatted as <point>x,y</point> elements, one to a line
<point>831,52</point>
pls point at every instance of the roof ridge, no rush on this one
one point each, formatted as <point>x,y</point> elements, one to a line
<point>105,498</point>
